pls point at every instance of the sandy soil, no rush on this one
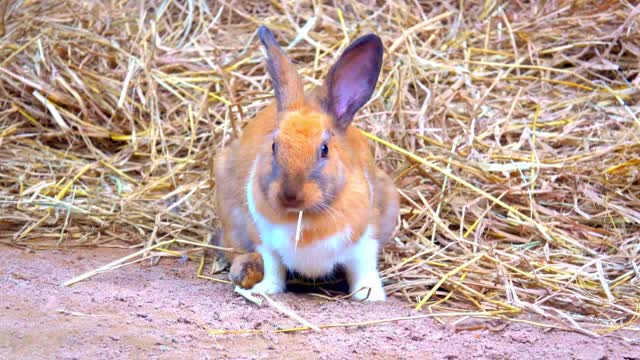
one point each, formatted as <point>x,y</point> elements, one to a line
<point>159,311</point>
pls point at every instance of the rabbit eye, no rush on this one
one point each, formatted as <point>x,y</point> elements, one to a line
<point>324,151</point>
<point>274,148</point>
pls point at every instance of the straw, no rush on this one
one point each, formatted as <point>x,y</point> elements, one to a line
<point>298,228</point>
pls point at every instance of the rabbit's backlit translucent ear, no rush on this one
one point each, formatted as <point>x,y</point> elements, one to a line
<point>352,79</point>
<point>286,81</point>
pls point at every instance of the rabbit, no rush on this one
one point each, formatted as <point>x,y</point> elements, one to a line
<point>301,154</point>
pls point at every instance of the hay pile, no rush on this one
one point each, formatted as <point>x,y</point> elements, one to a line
<point>511,129</point>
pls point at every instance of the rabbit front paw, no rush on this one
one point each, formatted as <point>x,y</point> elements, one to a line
<point>369,289</point>
<point>268,286</point>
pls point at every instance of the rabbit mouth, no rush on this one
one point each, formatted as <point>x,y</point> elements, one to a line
<point>291,210</point>
<point>285,208</point>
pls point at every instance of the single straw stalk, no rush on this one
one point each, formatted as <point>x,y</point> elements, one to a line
<point>298,228</point>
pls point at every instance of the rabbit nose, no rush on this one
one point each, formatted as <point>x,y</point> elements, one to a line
<point>290,199</point>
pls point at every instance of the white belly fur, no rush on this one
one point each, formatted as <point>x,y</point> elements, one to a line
<point>315,260</point>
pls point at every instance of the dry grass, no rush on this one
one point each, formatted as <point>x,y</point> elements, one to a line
<point>511,129</point>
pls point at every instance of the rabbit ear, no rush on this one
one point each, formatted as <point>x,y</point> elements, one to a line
<point>353,78</point>
<point>286,81</point>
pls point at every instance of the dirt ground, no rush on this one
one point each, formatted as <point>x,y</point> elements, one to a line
<point>159,312</point>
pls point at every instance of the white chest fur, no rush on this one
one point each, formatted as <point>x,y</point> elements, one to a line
<point>315,260</point>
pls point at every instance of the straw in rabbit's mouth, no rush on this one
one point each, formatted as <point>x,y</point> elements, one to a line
<point>298,229</point>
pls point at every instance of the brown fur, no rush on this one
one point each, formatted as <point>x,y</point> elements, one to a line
<point>247,270</point>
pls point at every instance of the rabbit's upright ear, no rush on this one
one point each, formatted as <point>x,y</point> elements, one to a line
<point>286,81</point>
<point>352,79</point>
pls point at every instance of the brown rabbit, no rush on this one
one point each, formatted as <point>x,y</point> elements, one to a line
<point>300,154</point>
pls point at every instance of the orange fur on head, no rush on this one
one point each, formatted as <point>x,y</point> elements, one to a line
<point>299,135</point>
<point>297,165</point>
